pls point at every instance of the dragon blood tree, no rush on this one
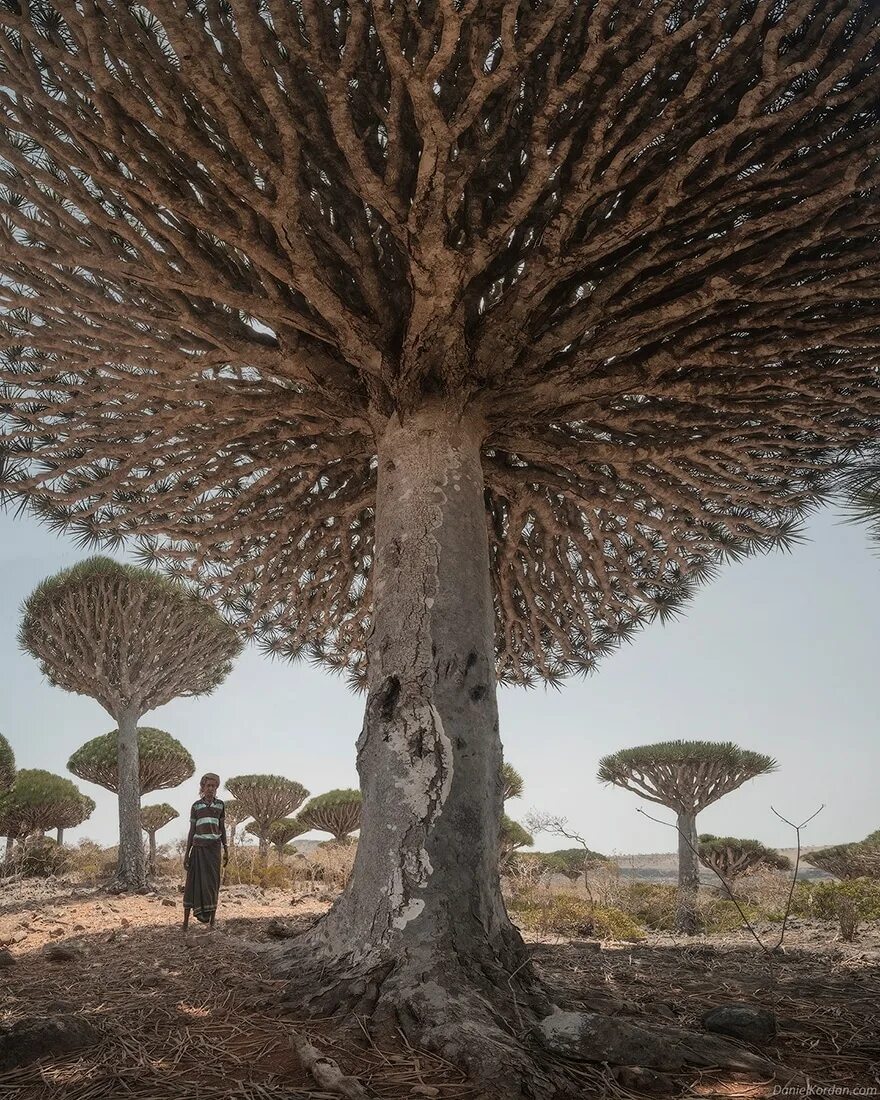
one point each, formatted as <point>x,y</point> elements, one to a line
<point>74,814</point>
<point>280,832</point>
<point>513,782</point>
<point>336,812</point>
<point>732,857</point>
<point>512,837</point>
<point>860,859</point>
<point>234,814</point>
<point>444,343</point>
<point>154,818</point>
<point>267,799</point>
<point>686,777</point>
<point>7,765</point>
<point>131,640</point>
<point>40,800</point>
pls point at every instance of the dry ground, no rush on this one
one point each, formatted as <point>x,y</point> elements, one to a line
<point>199,1018</point>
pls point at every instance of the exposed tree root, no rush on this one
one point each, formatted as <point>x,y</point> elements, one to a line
<point>500,1029</point>
<point>325,1071</point>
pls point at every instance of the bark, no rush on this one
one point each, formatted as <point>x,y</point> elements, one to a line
<point>59,836</point>
<point>688,872</point>
<point>151,862</point>
<point>131,869</point>
<point>423,914</point>
<point>263,849</point>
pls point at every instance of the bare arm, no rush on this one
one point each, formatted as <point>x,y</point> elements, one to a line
<point>189,840</point>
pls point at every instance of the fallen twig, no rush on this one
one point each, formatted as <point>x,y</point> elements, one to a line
<point>326,1073</point>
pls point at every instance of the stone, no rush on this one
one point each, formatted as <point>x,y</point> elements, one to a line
<point>43,1036</point>
<point>169,902</point>
<point>6,957</point>
<point>63,952</point>
<point>742,1021</point>
<point>279,929</point>
<point>13,937</point>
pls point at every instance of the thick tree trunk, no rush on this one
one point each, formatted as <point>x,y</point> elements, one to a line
<point>688,873</point>
<point>423,905</point>
<point>151,861</point>
<point>263,849</point>
<point>131,869</point>
<point>59,836</point>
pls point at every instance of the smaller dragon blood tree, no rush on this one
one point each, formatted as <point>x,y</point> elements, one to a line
<point>513,782</point>
<point>732,857</point>
<point>280,832</point>
<point>686,777</point>
<point>154,818</point>
<point>40,800</point>
<point>234,814</point>
<point>131,640</point>
<point>860,859</point>
<point>75,814</point>
<point>337,812</point>
<point>512,837</point>
<point>7,765</point>
<point>267,799</point>
<point>163,761</point>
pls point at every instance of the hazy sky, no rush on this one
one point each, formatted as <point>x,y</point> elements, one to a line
<point>779,654</point>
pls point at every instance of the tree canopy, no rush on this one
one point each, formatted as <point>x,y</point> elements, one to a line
<point>684,774</point>
<point>280,832</point>
<point>337,812</point>
<point>7,765</point>
<point>513,782</point>
<point>845,861</point>
<point>157,816</point>
<point>266,798</point>
<point>513,836</point>
<point>41,800</point>
<point>636,242</point>
<point>732,856</point>
<point>125,636</point>
<point>163,761</point>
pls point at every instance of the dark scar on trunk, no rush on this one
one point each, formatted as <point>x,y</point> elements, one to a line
<point>477,693</point>
<point>386,698</point>
<point>471,661</point>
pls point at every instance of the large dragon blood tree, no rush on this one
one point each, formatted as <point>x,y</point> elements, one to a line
<point>442,342</point>
<point>132,640</point>
<point>267,799</point>
<point>337,812</point>
<point>685,776</point>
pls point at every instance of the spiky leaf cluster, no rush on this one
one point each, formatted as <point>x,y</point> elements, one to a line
<point>162,760</point>
<point>337,812</point>
<point>126,636</point>
<point>860,859</point>
<point>858,485</point>
<point>684,775</point>
<point>731,857</point>
<point>157,816</point>
<point>7,765</point>
<point>513,782</point>
<point>41,800</point>
<point>266,798</point>
<point>635,241</point>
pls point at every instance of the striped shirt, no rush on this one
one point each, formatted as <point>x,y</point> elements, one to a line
<point>207,820</point>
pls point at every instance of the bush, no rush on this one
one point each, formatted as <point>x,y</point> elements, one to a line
<point>651,904</point>
<point>245,868</point>
<point>567,915</point>
<point>38,858</point>
<point>331,863</point>
<point>824,900</point>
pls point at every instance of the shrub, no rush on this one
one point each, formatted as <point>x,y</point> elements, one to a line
<point>37,858</point>
<point>823,900</point>
<point>332,863</point>
<point>247,868</point>
<point>567,915</point>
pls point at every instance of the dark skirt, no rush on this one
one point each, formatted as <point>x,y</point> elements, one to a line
<point>203,880</point>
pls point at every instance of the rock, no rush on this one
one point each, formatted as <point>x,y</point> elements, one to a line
<point>63,952</point>
<point>424,1090</point>
<point>169,902</point>
<point>42,1036</point>
<point>6,957</point>
<point>279,929</point>
<point>13,937</point>
<point>638,1079</point>
<point>741,1021</point>
<point>125,922</point>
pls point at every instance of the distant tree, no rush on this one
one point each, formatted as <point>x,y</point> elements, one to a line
<point>513,837</point>
<point>685,776</point>
<point>859,859</point>
<point>337,812</point>
<point>266,798</point>
<point>235,815</point>
<point>154,818</point>
<point>280,832</point>
<point>40,800</point>
<point>133,641</point>
<point>513,782</point>
<point>163,762</point>
<point>7,765</point>
<point>572,862</point>
<point>732,857</point>
<point>76,814</point>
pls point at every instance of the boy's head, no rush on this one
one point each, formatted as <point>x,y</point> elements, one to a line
<point>209,784</point>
